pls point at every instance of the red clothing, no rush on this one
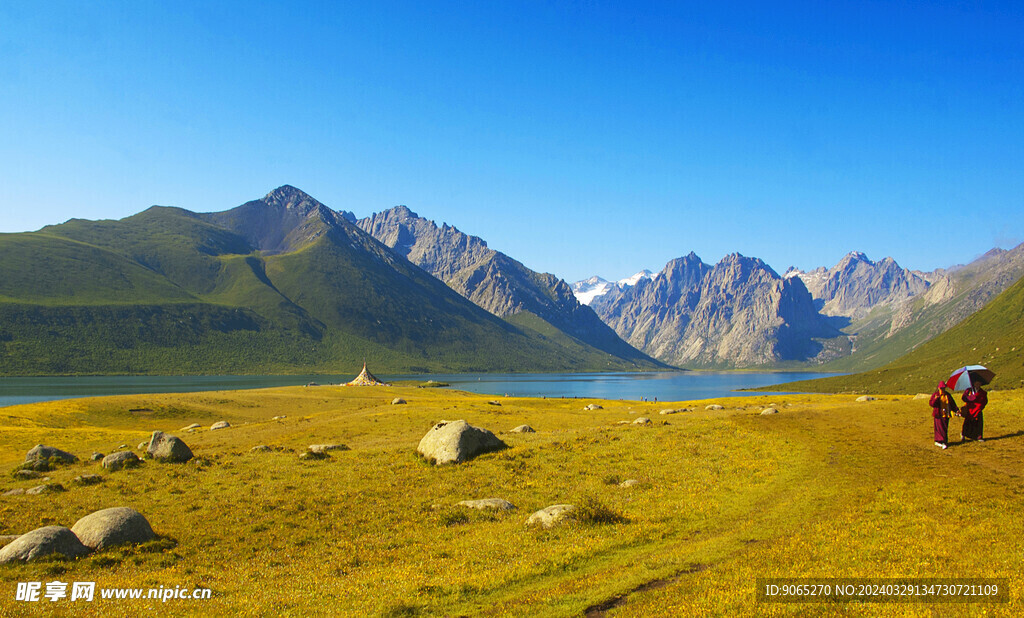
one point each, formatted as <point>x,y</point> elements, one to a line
<point>975,401</point>
<point>942,404</point>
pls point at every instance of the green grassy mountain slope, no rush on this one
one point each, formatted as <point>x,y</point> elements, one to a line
<point>993,336</point>
<point>296,287</point>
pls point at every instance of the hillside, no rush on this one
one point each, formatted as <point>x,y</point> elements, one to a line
<point>828,487</point>
<point>993,336</point>
<point>278,285</point>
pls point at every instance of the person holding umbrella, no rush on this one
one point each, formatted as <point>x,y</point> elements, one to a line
<point>943,407</point>
<point>975,400</point>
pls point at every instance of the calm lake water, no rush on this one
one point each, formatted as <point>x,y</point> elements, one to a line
<point>663,386</point>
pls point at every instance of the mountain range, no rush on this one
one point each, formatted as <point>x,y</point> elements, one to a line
<point>277,285</point>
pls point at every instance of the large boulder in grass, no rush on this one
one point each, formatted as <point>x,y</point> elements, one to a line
<point>457,441</point>
<point>114,526</point>
<point>123,459</point>
<point>43,542</point>
<point>41,451</point>
<point>167,448</point>
<point>550,516</point>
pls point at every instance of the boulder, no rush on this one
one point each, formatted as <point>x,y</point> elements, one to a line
<point>122,459</point>
<point>36,465</point>
<point>41,451</point>
<point>643,420</point>
<point>457,441</point>
<point>220,425</point>
<point>46,488</point>
<point>14,492</point>
<point>551,515</point>
<point>769,411</point>
<point>397,401</point>
<point>629,483</point>
<point>168,449</point>
<point>43,542</point>
<point>5,539</point>
<point>87,479</point>
<point>191,427</point>
<point>865,398</point>
<point>114,526</point>
<point>669,411</point>
<point>24,475</point>
<point>263,448</point>
<point>489,504</point>
<point>313,455</point>
<point>714,406</point>
<point>323,448</point>
<point>97,457</point>
<point>523,429</point>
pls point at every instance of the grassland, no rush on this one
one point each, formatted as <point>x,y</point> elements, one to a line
<point>827,487</point>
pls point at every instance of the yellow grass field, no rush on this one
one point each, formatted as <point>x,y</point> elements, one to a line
<point>828,487</point>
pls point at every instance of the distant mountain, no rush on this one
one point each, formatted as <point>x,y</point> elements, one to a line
<point>589,289</point>
<point>496,282</point>
<point>856,286</point>
<point>993,336</point>
<point>739,313</point>
<point>278,285</point>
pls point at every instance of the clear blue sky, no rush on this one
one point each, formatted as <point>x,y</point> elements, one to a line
<point>580,137</point>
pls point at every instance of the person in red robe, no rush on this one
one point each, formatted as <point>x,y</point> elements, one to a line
<point>975,400</point>
<point>943,407</point>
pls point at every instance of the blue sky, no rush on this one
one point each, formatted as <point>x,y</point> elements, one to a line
<point>578,137</point>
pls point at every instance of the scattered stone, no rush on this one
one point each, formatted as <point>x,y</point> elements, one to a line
<point>143,445</point>
<point>263,448</point>
<point>168,449</point>
<point>865,398</point>
<point>397,401</point>
<point>278,418</point>
<point>122,447</point>
<point>24,475</point>
<point>643,420</point>
<point>220,425</point>
<point>313,455</point>
<point>323,448</point>
<point>494,403</point>
<point>551,515</point>
<point>523,429</point>
<point>43,542</point>
<point>489,504</point>
<point>922,396</point>
<point>14,492</point>
<point>41,451</point>
<point>87,479</point>
<point>593,406</point>
<point>768,411</point>
<point>122,459</point>
<point>669,411</point>
<point>97,456</point>
<point>191,427</point>
<point>457,441</point>
<point>714,406</point>
<point>36,465</point>
<point>47,488</point>
<point>629,483</point>
<point>114,526</point>
<point>624,423</point>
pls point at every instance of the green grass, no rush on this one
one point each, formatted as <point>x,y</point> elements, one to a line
<point>827,487</point>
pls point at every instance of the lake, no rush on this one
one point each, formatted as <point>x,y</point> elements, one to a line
<point>662,386</point>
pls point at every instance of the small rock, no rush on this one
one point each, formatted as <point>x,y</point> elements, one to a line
<point>312,456</point>
<point>122,447</point>
<point>88,479</point>
<point>24,475</point>
<point>457,441</point>
<point>492,504</point>
<point>14,492</point>
<point>494,403</point>
<point>551,515</point>
<point>312,384</point>
<point>122,459</point>
<point>523,429</point>
<point>624,423</point>
<point>323,448</point>
<point>43,542</point>
<point>593,406</point>
<point>768,411</point>
<point>263,448</point>
<point>629,483</point>
<point>278,418</point>
<point>397,401</point>
<point>643,420</point>
<point>48,488</point>
<point>669,411</point>
<point>922,396</point>
<point>114,526</point>
<point>41,451</point>
<point>143,445</point>
<point>865,398</point>
<point>97,456</point>
<point>220,425</point>
<point>191,427</point>
<point>714,406</point>
<point>168,449</point>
